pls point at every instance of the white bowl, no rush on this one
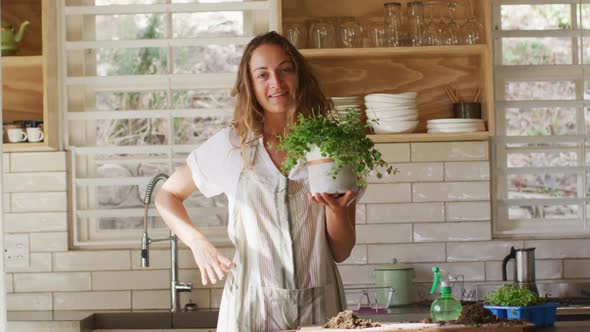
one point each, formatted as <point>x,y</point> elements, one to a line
<point>454,121</point>
<point>479,126</point>
<point>391,96</point>
<point>385,120</point>
<point>372,104</point>
<point>396,128</point>
<point>390,113</point>
<point>452,130</point>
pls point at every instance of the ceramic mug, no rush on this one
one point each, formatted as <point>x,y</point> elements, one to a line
<point>16,135</point>
<point>35,134</point>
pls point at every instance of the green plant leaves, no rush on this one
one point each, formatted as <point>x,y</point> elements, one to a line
<point>513,296</point>
<point>340,137</point>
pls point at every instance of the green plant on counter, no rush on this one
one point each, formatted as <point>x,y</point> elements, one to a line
<point>511,295</point>
<point>340,137</point>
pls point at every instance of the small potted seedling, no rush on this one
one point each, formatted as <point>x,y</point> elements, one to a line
<point>336,150</point>
<point>513,302</point>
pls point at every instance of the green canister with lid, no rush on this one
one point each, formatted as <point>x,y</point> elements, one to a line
<point>400,277</point>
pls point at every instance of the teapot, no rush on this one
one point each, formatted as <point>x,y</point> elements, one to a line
<point>11,38</point>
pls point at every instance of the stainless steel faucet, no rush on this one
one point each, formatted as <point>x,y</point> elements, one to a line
<point>175,286</point>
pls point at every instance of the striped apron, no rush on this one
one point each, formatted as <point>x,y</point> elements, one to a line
<point>284,274</point>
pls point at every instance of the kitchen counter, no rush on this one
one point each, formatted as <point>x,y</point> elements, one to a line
<point>207,319</point>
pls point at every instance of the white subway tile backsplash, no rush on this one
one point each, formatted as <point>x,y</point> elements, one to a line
<point>200,297</point>
<point>469,271</point>
<point>411,253</point>
<point>467,171</point>
<point>468,211</point>
<point>92,300</point>
<point>405,213</point>
<point>358,255</point>
<point>46,242</point>
<point>194,276</point>
<point>34,182</point>
<point>449,151</point>
<point>572,248</point>
<point>415,172</point>
<point>142,300</point>
<point>450,191</point>
<point>357,274</point>
<point>92,260</point>
<point>49,282</point>
<point>8,282</point>
<point>480,251</point>
<point>5,163</point>
<point>186,260</point>
<point>38,162</point>
<point>29,301</point>
<point>130,280</point>
<point>159,259</point>
<point>361,213</point>
<point>576,268</point>
<point>394,152</point>
<point>39,202</point>
<point>6,203</point>
<point>38,262</point>
<point>387,193</point>
<point>445,232</point>
<point>384,233</point>
<point>35,222</point>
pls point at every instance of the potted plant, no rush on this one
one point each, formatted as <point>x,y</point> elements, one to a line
<point>338,154</point>
<point>513,302</point>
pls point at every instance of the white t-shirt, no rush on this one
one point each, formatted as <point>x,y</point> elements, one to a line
<point>217,163</point>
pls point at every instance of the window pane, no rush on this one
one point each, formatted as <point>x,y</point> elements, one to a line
<point>541,159</point>
<point>209,24</point>
<point>123,132</point>
<point>117,27</point>
<point>131,61</point>
<point>585,19</point>
<point>195,131</point>
<point>535,17</point>
<point>524,212</point>
<point>540,90</point>
<point>543,185</point>
<point>207,59</point>
<point>540,121</point>
<point>214,98</point>
<point>130,100</point>
<point>536,51</point>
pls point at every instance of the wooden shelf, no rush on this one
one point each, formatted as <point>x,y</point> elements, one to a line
<point>422,51</point>
<point>21,61</point>
<point>21,147</point>
<point>426,137</point>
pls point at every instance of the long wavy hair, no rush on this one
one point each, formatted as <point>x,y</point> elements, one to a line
<point>249,116</point>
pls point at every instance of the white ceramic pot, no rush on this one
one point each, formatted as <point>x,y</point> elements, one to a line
<point>320,175</point>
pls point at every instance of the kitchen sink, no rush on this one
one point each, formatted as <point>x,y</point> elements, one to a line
<point>200,319</point>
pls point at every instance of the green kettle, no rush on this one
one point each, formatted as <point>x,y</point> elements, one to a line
<point>11,38</point>
<point>400,277</point>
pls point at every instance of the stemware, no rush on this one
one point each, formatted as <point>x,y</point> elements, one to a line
<point>472,28</point>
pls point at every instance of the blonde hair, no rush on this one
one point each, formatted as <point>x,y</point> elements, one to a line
<point>249,115</point>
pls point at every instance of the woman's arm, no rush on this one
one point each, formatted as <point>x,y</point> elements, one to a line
<point>169,202</point>
<point>340,223</point>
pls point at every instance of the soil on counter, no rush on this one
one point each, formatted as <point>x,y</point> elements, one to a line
<point>348,320</point>
<point>476,314</point>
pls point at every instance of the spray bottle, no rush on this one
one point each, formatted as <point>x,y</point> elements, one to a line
<point>445,307</point>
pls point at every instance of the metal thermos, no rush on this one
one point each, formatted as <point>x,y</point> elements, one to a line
<point>524,268</point>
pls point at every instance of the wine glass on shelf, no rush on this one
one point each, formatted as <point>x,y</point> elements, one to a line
<point>452,27</point>
<point>429,36</point>
<point>472,29</point>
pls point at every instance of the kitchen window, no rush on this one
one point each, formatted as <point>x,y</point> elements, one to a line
<point>145,82</point>
<point>542,93</point>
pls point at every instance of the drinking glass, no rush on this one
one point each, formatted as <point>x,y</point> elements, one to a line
<point>377,34</point>
<point>452,27</point>
<point>321,35</point>
<point>415,23</point>
<point>393,23</point>
<point>429,36</point>
<point>296,33</point>
<point>350,35</point>
<point>472,29</point>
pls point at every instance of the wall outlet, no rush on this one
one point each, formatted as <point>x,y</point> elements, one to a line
<point>16,250</point>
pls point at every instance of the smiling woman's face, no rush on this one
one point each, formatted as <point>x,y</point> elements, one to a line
<point>274,78</point>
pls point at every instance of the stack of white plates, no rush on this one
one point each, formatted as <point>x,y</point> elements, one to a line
<point>454,125</point>
<point>347,104</point>
<point>395,113</point>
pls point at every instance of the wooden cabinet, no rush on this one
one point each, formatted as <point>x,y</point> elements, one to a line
<point>427,70</point>
<point>29,78</point>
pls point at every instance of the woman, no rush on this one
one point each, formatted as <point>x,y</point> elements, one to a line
<point>287,241</point>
